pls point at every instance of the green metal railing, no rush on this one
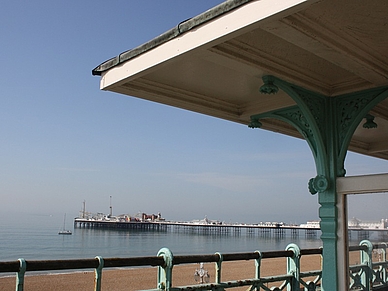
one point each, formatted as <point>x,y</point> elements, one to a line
<point>369,274</point>
<point>364,276</point>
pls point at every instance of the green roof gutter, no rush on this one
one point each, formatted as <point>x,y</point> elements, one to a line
<point>170,34</point>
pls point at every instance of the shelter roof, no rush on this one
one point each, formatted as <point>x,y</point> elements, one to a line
<point>214,63</point>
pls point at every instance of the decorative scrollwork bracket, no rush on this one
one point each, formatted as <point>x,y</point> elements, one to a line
<point>268,87</point>
<point>318,184</point>
<point>255,123</point>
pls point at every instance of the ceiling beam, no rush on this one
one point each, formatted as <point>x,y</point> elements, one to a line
<point>330,44</point>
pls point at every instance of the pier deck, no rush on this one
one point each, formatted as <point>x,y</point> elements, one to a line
<point>273,230</point>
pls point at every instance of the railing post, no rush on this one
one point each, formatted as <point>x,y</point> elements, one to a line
<point>383,258</point>
<point>257,270</point>
<point>20,275</point>
<point>293,267</point>
<point>366,259</point>
<point>218,268</point>
<point>165,271</point>
<point>98,273</point>
<point>258,265</point>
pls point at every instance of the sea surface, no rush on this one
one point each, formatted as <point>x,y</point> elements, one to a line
<point>35,237</point>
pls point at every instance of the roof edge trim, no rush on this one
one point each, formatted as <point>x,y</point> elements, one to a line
<point>181,28</point>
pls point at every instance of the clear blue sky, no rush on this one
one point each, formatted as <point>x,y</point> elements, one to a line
<point>64,141</point>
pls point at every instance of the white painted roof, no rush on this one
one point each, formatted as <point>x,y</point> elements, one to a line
<point>214,63</point>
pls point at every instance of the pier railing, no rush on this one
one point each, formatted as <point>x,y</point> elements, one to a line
<point>368,274</point>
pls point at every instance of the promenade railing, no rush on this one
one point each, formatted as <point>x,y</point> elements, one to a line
<point>368,274</point>
<point>371,272</point>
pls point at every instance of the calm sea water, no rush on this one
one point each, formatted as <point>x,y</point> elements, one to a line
<point>35,237</point>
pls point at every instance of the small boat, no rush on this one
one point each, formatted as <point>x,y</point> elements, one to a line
<point>64,230</point>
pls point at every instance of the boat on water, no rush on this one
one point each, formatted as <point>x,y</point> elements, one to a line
<point>64,231</point>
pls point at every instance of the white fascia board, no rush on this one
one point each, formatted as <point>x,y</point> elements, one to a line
<point>237,21</point>
<point>377,183</point>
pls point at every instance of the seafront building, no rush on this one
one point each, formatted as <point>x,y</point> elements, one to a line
<point>316,70</point>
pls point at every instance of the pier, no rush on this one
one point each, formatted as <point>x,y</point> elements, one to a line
<point>276,230</point>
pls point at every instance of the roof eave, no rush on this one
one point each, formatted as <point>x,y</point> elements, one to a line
<point>181,28</point>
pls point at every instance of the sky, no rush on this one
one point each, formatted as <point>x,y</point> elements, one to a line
<point>64,141</point>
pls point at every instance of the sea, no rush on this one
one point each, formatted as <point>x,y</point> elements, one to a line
<point>35,237</point>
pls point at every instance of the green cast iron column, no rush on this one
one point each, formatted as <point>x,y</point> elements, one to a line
<point>327,124</point>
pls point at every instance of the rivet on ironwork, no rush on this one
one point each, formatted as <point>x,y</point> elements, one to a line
<point>268,87</point>
<point>369,122</point>
<point>255,123</point>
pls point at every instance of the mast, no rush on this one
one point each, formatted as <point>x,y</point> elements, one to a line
<point>110,206</point>
<point>64,222</point>
<point>83,209</point>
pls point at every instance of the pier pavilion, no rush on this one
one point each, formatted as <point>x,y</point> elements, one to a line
<point>316,70</point>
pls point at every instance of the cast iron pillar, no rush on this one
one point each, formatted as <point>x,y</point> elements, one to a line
<point>327,124</point>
